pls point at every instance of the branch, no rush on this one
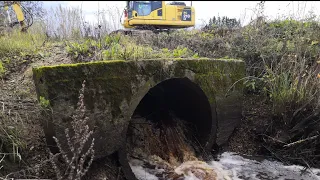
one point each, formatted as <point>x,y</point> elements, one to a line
<point>300,141</point>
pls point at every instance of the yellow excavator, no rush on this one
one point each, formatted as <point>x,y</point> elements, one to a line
<point>157,16</point>
<point>18,10</point>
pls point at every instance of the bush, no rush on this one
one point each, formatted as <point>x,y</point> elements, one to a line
<point>119,47</point>
<point>264,46</point>
<point>80,134</point>
<point>80,50</point>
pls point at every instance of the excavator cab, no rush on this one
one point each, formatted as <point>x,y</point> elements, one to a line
<point>158,15</point>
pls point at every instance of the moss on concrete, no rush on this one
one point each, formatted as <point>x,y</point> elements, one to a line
<point>114,88</point>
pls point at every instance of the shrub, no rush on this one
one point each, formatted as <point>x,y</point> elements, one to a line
<point>80,50</point>
<point>76,166</point>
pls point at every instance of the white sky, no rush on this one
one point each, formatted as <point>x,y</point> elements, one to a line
<point>242,10</point>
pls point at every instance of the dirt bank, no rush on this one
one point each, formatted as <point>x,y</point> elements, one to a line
<point>246,139</point>
<point>20,109</point>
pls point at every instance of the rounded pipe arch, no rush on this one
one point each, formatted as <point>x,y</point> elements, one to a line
<point>180,95</point>
<point>192,103</point>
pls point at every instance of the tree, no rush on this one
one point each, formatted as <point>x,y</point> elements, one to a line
<point>224,22</point>
<point>34,7</point>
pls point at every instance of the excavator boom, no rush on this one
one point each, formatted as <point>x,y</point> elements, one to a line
<point>17,8</point>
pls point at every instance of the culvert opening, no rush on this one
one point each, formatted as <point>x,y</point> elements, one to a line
<point>171,125</point>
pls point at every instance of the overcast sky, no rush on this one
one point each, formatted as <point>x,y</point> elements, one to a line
<point>242,10</point>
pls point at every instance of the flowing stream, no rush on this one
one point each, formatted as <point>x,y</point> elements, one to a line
<point>229,166</point>
<point>164,153</point>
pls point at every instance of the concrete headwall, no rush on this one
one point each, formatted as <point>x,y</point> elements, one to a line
<point>115,88</point>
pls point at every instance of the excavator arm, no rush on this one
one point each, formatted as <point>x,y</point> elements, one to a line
<point>16,6</point>
<point>17,9</point>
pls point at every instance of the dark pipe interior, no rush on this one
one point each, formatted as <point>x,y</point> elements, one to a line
<point>185,99</point>
<point>178,96</point>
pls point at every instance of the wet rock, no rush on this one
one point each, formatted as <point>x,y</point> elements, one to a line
<point>197,169</point>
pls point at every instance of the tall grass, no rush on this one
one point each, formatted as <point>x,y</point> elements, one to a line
<point>281,53</point>
<point>69,23</point>
<point>64,22</point>
<point>16,42</point>
<point>10,133</point>
<point>292,84</point>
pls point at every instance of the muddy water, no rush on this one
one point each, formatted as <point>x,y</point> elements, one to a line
<point>164,153</point>
<point>232,166</point>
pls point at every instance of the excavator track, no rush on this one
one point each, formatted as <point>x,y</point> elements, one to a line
<point>142,30</point>
<point>131,32</point>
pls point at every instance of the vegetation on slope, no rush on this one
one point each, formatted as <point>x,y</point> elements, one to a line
<point>282,58</point>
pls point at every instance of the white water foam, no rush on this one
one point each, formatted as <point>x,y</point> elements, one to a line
<point>238,167</point>
<point>141,173</point>
<point>234,167</point>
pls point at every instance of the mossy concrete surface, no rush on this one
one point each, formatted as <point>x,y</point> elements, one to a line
<point>115,88</point>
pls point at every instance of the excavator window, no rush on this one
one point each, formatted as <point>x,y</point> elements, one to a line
<point>156,5</point>
<point>144,8</point>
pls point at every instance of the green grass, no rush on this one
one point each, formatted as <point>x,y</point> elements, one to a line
<point>2,69</point>
<point>17,43</point>
<point>10,135</point>
<point>264,48</point>
<point>117,47</point>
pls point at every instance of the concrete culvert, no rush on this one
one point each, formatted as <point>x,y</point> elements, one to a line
<point>171,125</point>
<point>114,89</point>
